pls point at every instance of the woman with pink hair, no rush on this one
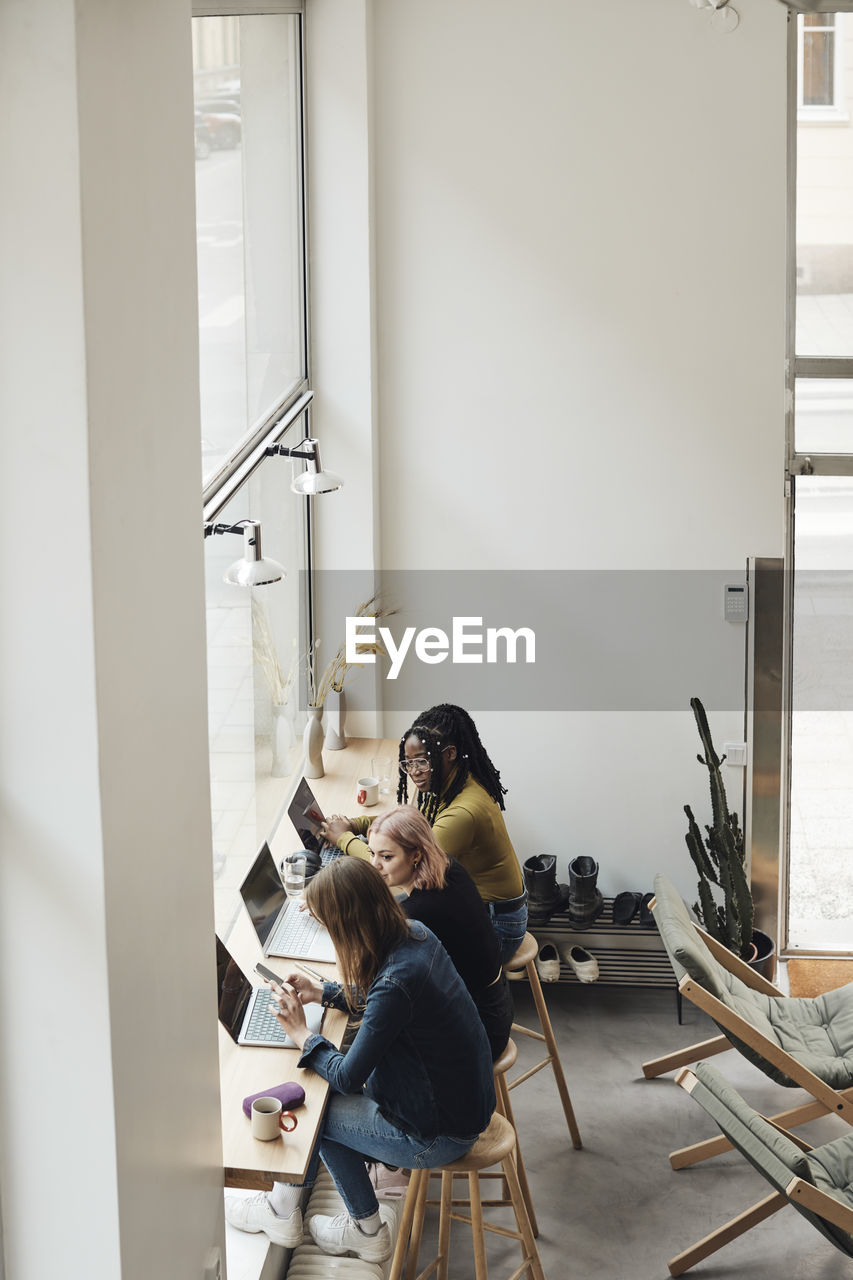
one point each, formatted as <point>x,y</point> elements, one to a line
<point>439,892</point>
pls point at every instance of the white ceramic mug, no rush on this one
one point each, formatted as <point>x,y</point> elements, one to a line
<point>368,791</point>
<point>269,1119</point>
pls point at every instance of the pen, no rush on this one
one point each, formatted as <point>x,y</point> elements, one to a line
<point>312,973</point>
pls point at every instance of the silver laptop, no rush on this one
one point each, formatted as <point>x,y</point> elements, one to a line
<point>282,929</point>
<point>244,1010</point>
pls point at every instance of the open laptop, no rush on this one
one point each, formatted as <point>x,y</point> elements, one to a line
<point>282,929</point>
<point>306,815</point>
<point>244,1010</point>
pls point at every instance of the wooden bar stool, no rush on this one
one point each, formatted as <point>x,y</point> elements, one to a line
<point>504,1108</point>
<point>496,1145</point>
<point>525,958</point>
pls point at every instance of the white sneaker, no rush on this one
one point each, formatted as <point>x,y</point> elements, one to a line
<point>342,1234</point>
<point>584,964</point>
<point>548,962</point>
<point>255,1213</point>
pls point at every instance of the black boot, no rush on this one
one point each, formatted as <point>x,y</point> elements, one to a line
<point>585,902</point>
<point>544,895</point>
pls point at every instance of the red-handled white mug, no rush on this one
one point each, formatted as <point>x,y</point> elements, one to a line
<point>368,791</point>
<point>269,1119</point>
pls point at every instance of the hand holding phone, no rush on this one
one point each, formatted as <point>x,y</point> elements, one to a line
<point>268,975</point>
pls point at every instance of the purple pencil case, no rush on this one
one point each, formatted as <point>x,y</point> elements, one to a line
<point>290,1094</point>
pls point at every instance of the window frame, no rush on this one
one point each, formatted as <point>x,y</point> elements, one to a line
<point>800,463</point>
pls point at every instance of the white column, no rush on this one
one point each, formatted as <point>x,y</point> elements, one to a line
<point>110,1157</point>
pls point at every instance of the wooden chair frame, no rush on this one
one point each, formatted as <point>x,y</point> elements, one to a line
<point>810,1197</point>
<point>826,1100</point>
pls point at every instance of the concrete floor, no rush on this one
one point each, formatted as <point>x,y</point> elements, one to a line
<point>616,1209</point>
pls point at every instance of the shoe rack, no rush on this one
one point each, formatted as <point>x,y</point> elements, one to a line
<point>628,955</point>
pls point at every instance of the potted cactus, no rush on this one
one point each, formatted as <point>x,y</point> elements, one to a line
<point>719,858</point>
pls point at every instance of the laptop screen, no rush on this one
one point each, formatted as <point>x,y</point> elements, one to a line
<point>235,990</point>
<point>263,893</point>
<point>306,816</point>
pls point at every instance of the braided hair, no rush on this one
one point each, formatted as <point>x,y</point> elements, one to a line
<point>442,726</point>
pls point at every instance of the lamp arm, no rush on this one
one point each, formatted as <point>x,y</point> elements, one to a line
<point>210,529</point>
<point>282,451</point>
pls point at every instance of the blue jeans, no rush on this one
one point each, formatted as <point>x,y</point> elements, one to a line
<point>354,1129</point>
<point>510,926</point>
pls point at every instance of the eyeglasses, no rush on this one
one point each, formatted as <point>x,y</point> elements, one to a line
<point>418,764</point>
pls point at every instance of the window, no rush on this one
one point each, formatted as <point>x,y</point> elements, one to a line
<point>820,66</point>
<point>253,362</point>
<point>250,235</point>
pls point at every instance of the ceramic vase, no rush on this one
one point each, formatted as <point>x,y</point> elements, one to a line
<point>282,740</point>
<point>313,743</point>
<point>336,711</point>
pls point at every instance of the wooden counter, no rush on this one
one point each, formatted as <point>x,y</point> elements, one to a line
<point>246,1069</point>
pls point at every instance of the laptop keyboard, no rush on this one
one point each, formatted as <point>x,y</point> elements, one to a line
<point>264,1025</point>
<point>294,933</point>
<point>329,853</point>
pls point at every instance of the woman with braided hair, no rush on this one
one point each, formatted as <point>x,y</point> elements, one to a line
<point>459,792</point>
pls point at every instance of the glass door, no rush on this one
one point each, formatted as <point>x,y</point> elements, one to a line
<point>819,871</point>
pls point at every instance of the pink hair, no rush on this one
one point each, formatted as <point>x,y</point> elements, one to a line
<point>410,829</point>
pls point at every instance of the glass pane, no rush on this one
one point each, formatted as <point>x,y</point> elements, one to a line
<point>255,662</point>
<point>249,223</point>
<point>821,838</point>
<point>818,68</point>
<point>824,196</point>
<point>823,418</point>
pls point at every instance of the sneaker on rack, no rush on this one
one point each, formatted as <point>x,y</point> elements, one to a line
<point>255,1213</point>
<point>343,1234</point>
<point>582,962</point>
<point>548,962</point>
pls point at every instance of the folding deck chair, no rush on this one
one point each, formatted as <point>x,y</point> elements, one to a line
<point>805,1042</point>
<point>815,1180</point>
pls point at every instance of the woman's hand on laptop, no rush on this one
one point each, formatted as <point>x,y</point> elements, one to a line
<point>335,827</point>
<point>286,1002</point>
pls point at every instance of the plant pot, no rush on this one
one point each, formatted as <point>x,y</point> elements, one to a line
<point>336,713</point>
<point>764,960</point>
<point>282,739</point>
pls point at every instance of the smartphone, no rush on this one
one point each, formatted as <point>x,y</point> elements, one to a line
<point>268,974</point>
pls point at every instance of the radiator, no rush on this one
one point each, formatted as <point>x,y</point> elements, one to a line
<point>310,1263</point>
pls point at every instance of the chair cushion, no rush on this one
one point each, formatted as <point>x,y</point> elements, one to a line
<point>687,952</point>
<point>830,1168</point>
<point>817,1031</point>
<point>774,1155</point>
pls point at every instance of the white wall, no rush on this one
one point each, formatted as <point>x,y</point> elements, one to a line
<point>109,1115</point>
<point>579,228</point>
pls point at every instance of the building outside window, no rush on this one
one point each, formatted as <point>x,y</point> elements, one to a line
<point>820,67</point>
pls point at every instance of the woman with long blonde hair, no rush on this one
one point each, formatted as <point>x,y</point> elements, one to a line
<point>415,1088</point>
<point>439,892</point>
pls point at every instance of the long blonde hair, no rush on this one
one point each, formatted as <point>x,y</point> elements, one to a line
<point>410,829</point>
<point>363,918</point>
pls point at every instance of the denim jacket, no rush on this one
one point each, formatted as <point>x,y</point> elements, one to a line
<point>420,1052</point>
